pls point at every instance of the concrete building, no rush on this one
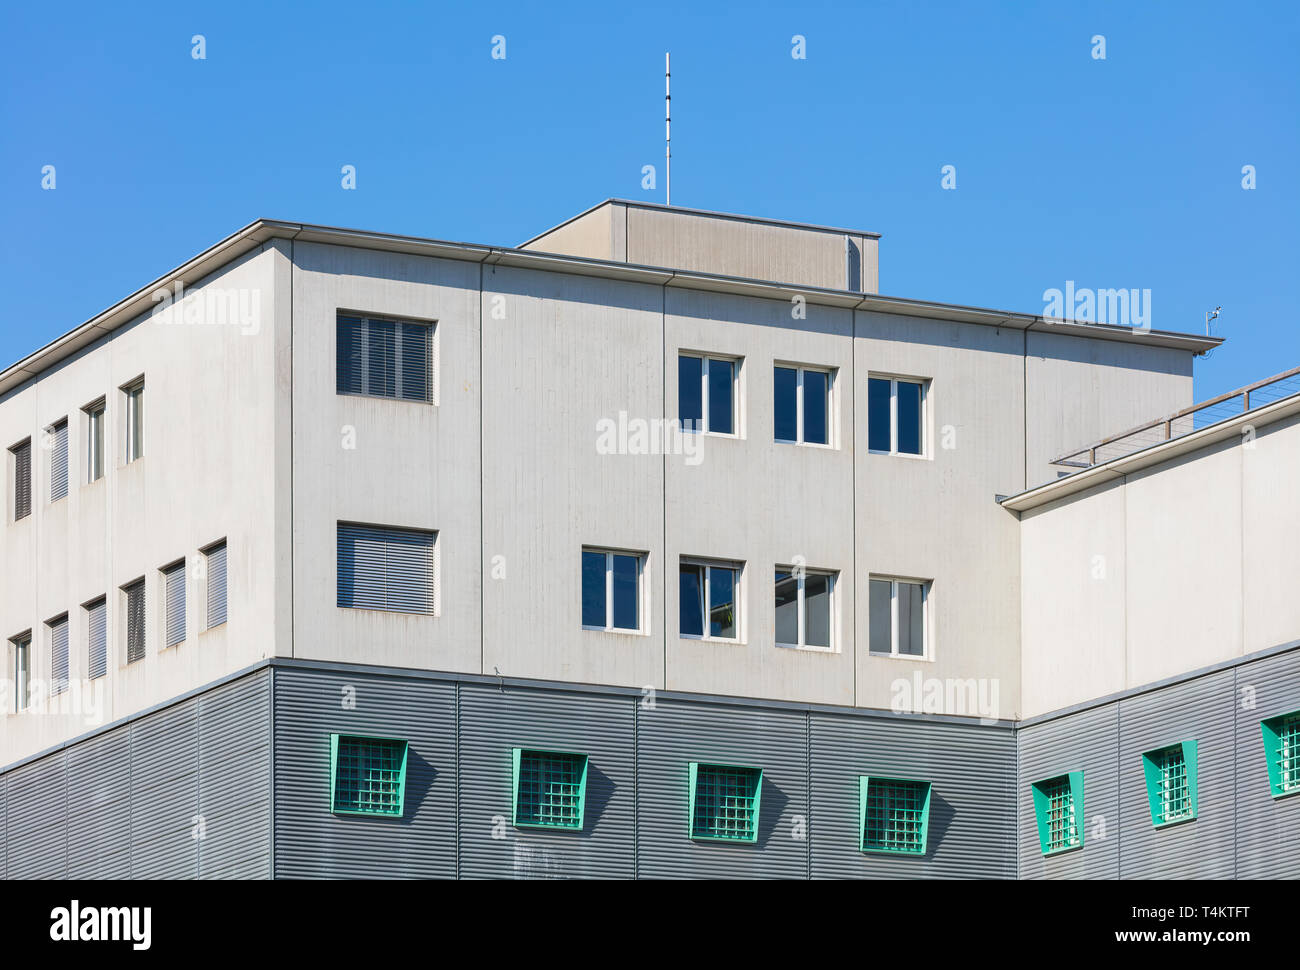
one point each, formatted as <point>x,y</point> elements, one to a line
<point>661,545</point>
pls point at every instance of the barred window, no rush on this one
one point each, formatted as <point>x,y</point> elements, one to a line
<point>1282,753</point>
<point>550,789</point>
<point>1171,783</point>
<point>894,815</point>
<point>1058,808</point>
<point>367,775</point>
<point>725,802</point>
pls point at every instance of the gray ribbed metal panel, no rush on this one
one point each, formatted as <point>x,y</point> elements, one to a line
<point>1199,710</point>
<point>1268,828</point>
<point>165,793</point>
<point>1087,741</point>
<point>677,732</point>
<point>494,721</point>
<point>37,833</point>
<point>99,807</point>
<point>972,773</point>
<point>310,842</point>
<point>235,779</point>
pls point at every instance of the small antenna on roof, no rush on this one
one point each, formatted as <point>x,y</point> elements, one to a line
<point>1210,315</point>
<point>668,128</point>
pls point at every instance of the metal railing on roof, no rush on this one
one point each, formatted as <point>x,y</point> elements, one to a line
<point>1186,421</point>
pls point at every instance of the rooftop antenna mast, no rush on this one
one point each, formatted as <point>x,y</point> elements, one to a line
<point>668,128</point>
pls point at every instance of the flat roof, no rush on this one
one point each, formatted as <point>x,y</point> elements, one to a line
<point>262,230</point>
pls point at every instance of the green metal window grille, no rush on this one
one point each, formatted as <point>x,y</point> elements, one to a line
<point>1282,753</point>
<point>367,775</point>
<point>724,802</point>
<point>1058,809</point>
<point>893,815</point>
<point>550,789</point>
<point>1171,783</point>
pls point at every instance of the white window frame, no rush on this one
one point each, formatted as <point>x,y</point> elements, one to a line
<point>924,418</point>
<point>22,648</point>
<point>708,565</point>
<point>704,394</point>
<point>801,574</point>
<point>641,605</point>
<point>100,408</point>
<point>133,394</point>
<point>926,636</point>
<point>831,429</point>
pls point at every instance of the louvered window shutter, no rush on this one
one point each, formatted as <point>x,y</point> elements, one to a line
<point>96,622</point>
<point>59,656</point>
<point>59,461</point>
<point>135,622</point>
<point>174,581</point>
<point>23,480</point>
<point>386,569</point>
<point>216,585</point>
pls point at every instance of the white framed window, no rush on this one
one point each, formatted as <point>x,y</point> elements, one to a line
<point>95,440</point>
<point>133,397</point>
<point>709,606</point>
<point>896,415</point>
<point>801,404</point>
<point>612,590</point>
<point>805,608</point>
<point>173,597</point>
<point>899,618</point>
<point>22,669</point>
<point>56,444</point>
<point>708,396</point>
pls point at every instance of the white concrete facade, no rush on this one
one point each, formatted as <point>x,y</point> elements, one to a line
<point>247,440</point>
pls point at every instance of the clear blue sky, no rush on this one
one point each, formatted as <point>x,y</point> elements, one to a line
<point>1117,173</point>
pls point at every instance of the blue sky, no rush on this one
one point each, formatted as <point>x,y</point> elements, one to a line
<point>1123,172</point>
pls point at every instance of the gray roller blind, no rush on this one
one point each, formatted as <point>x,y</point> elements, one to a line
<point>216,585</point>
<point>174,584</point>
<point>384,358</point>
<point>59,461</point>
<point>97,639</point>
<point>59,656</point>
<point>134,621</point>
<point>23,480</point>
<point>385,569</point>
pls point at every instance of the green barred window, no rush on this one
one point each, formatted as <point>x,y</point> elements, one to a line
<point>550,788</point>
<point>1282,753</point>
<point>893,815</point>
<point>1171,783</point>
<point>1058,808</point>
<point>367,775</point>
<point>724,802</point>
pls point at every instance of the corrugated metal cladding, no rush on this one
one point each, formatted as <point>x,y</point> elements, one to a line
<point>310,842</point>
<point>495,721</point>
<point>130,803</point>
<point>1240,829</point>
<point>1084,741</point>
<point>672,735</point>
<point>972,774</point>
<point>1268,828</point>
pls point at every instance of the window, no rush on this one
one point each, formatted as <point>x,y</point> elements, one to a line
<point>57,441</point>
<point>803,607</point>
<point>611,590</point>
<point>550,789</point>
<point>214,568</point>
<point>802,405</point>
<point>134,595</point>
<point>895,416</point>
<point>898,610</point>
<point>1282,753</point>
<point>724,802</point>
<point>893,815</point>
<point>174,604</point>
<point>706,394</point>
<point>709,595</point>
<point>22,478</point>
<point>1058,809</point>
<point>384,358</point>
<point>134,396</point>
<point>58,634</point>
<point>97,638</point>
<point>367,775</point>
<point>94,441</point>
<point>22,645</point>
<point>386,569</point>
<point>1171,783</point>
